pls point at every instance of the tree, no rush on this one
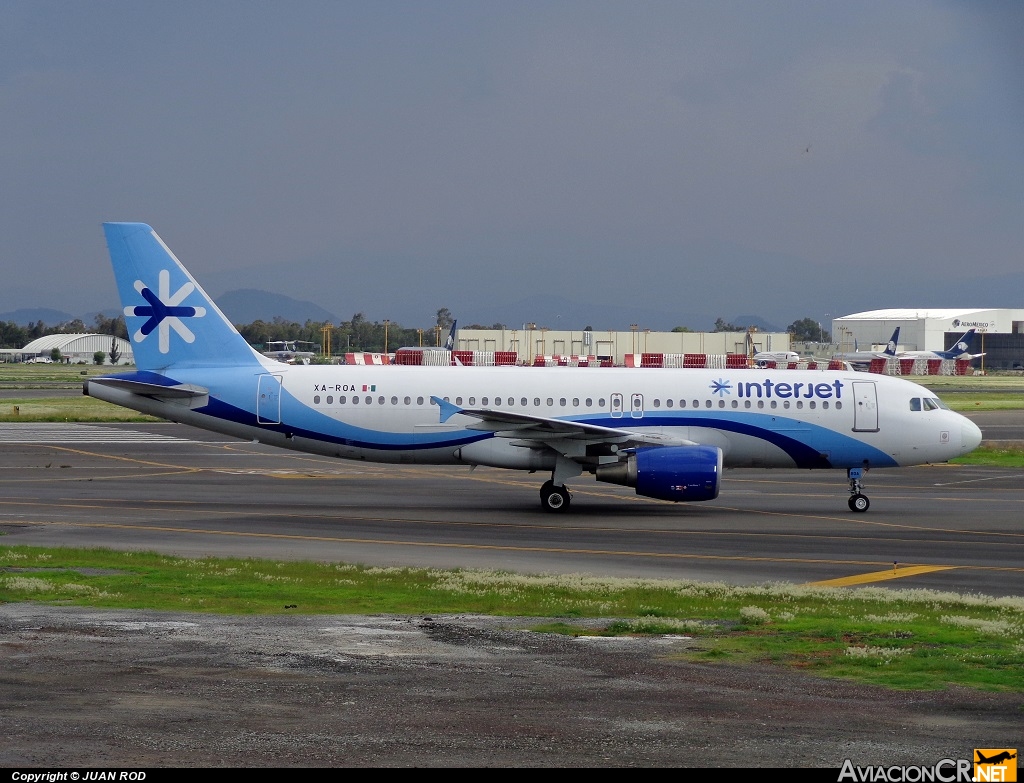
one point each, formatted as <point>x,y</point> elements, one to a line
<point>807,330</point>
<point>114,353</point>
<point>684,328</point>
<point>444,319</point>
<point>722,326</point>
<point>55,355</point>
<point>99,357</point>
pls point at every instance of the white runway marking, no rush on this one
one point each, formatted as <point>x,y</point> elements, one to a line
<point>66,434</point>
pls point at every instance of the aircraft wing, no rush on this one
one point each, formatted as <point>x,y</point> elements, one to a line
<point>549,432</point>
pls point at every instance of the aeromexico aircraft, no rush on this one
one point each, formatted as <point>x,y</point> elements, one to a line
<point>667,433</point>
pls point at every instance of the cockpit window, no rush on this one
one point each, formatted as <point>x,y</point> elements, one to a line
<point>931,404</point>
<point>915,403</point>
<point>940,403</point>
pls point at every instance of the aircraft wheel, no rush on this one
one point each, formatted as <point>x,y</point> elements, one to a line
<point>554,498</point>
<point>859,502</point>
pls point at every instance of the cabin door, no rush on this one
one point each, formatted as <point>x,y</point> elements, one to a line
<point>865,414</point>
<point>268,400</point>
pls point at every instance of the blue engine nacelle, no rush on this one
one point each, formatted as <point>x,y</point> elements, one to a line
<point>679,473</point>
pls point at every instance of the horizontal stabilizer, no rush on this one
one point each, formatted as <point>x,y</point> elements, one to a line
<point>179,391</point>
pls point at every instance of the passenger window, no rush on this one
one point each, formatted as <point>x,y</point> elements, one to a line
<point>472,400</point>
<point>682,403</point>
<point>341,400</point>
<point>811,405</point>
<point>707,403</point>
<point>774,404</point>
<point>419,401</point>
<point>394,401</point>
<point>316,399</point>
<point>408,400</point>
<point>696,403</point>
<point>523,402</point>
<point>800,404</point>
<point>561,401</point>
<point>839,406</point>
<point>536,402</point>
<point>785,404</point>
<point>550,402</point>
<point>600,402</point>
<point>668,403</point>
<point>483,401</point>
<point>915,403</point>
<point>824,405</point>
<point>590,402</point>
<point>575,402</point>
<point>746,403</point>
<point>369,399</point>
<point>735,404</point>
<point>721,403</point>
<point>760,403</point>
<point>458,401</point>
<point>657,403</point>
<point>330,400</point>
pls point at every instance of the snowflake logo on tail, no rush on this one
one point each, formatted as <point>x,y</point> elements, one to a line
<point>164,312</point>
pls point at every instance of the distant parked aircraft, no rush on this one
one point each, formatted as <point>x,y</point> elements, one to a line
<point>860,360</point>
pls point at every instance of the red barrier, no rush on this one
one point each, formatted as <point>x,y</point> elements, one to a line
<point>695,359</point>
<point>652,360</point>
<point>734,361</point>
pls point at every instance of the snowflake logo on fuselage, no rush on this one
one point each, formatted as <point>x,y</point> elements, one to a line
<point>721,388</point>
<point>164,312</point>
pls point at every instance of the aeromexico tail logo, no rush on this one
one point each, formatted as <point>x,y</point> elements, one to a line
<point>164,312</point>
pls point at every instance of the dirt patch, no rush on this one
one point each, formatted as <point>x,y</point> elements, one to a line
<point>88,687</point>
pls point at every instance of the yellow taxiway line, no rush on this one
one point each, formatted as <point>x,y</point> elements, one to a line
<point>880,576</point>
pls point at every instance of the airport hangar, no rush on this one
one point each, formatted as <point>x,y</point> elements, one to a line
<point>1000,332</point>
<point>77,348</point>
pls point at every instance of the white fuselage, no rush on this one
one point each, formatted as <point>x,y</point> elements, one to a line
<point>758,418</point>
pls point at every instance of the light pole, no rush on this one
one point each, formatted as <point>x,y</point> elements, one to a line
<point>386,322</point>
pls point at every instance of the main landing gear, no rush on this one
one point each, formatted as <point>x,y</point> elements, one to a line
<point>554,498</point>
<point>858,501</point>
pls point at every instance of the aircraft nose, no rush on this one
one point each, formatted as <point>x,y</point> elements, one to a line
<point>971,435</point>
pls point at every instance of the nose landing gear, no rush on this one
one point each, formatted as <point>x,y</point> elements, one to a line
<point>858,500</point>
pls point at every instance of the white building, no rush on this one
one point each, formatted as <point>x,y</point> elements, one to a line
<point>1000,332</point>
<point>78,347</point>
<point>531,342</point>
<point>922,330</point>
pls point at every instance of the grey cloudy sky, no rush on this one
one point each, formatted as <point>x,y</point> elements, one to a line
<point>660,162</point>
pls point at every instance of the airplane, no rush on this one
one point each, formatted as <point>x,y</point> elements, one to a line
<point>860,360</point>
<point>761,358</point>
<point>959,349</point>
<point>667,433</point>
<point>996,759</point>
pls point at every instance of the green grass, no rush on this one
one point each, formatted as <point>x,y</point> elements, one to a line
<point>909,639</point>
<point>80,409</point>
<point>988,455</point>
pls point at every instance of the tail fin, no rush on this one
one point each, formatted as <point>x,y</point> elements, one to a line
<point>449,344</point>
<point>171,320</point>
<point>890,347</point>
<point>961,346</point>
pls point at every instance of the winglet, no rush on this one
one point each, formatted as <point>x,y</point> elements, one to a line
<point>447,409</point>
